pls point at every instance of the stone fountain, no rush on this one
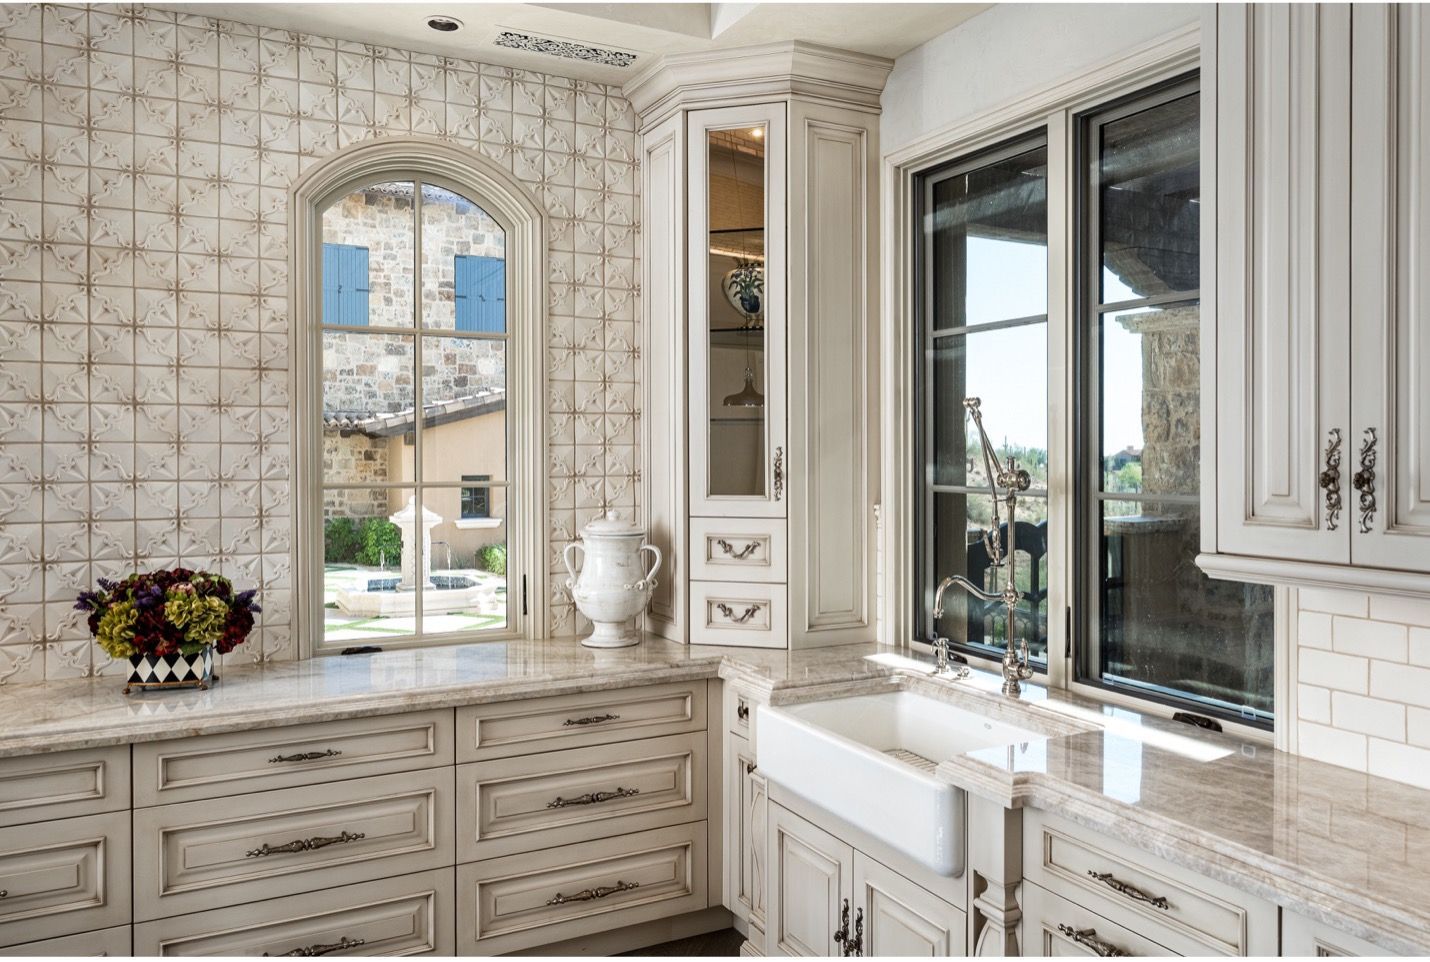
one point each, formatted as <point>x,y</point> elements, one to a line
<point>384,598</point>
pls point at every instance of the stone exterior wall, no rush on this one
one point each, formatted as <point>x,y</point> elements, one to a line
<point>354,459</point>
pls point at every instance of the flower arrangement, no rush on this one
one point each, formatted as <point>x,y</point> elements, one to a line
<point>175,612</point>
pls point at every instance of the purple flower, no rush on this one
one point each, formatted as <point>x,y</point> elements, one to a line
<point>88,601</point>
<point>244,599</point>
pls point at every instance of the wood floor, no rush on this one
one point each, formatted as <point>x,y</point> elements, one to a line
<point>713,945</point>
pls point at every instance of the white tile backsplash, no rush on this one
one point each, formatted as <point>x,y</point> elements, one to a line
<point>145,159</point>
<point>1363,682</point>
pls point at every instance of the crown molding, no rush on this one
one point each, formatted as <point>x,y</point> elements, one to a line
<point>767,71</point>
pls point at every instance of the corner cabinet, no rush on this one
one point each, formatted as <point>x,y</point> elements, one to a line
<point>1317,349</point>
<point>759,422</point>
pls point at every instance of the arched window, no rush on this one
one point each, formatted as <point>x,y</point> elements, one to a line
<point>421,483</point>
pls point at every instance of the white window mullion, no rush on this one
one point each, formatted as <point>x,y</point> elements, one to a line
<point>1062,406</point>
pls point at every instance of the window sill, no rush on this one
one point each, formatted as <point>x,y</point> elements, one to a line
<point>477,524</point>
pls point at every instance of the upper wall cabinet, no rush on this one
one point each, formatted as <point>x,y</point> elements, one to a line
<point>1318,441</point>
<point>760,431</point>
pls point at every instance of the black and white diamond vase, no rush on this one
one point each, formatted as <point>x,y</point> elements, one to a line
<point>171,671</point>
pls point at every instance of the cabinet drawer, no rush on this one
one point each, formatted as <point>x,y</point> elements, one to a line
<point>737,549</point>
<point>571,721</point>
<point>63,877</point>
<point>741,614</point>
<point>1188,913</point>
<point>1306,938</point>
<point>195,856</point>
<point>1052,925</point>
<point>522,901</point>
<point>37,788</point>
<point>113,941</point>
<point>519,804</point>
<point>216,766</point>
<point>407,915</point>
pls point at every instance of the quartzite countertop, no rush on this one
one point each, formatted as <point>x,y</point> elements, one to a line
<point>1349,849</point>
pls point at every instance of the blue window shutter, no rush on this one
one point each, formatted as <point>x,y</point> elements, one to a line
<point>464,277</point>
<point>345,285</point>
<point>480,293</point>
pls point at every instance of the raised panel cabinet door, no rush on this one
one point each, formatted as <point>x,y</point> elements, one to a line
<point>407,915</point>
<point>1280,101</point>
<point>737,298</point>
<point>901,919</point>
<point>63,877</point>
<point>1306,938</point>
<point>196,856</point>
<point>1390,299</point>
<point>1053,926</point>
<point>63,784</point>
<point>114,941</point>
<point>746,832</point>
<point>810,888</point>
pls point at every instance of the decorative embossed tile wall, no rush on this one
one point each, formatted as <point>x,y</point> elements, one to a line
<point>145,158</point>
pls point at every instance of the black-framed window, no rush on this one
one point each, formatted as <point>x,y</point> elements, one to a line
<point>981,329</point>
<point>476,500</point>
<point>1150,623</point>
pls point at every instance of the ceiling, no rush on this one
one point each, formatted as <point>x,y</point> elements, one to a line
<point>644,29</point>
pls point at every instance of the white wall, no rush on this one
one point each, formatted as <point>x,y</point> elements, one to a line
<point>1007,51</point>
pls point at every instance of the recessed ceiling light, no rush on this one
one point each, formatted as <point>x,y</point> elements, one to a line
<point>444,24</point>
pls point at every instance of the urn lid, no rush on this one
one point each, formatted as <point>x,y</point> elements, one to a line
<point>614,526</point>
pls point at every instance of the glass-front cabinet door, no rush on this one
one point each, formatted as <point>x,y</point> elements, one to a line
<point>738,458</point>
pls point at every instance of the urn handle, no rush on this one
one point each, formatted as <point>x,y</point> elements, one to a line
<point>648,579</point>
<point>566,557</point>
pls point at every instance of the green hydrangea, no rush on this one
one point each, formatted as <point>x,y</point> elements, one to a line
<point>200,618</point>
<point>115,633</point>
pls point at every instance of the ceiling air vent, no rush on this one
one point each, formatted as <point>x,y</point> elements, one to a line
<point>570,49</point>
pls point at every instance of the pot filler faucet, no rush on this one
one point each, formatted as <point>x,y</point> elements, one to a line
<point>1011,479</point>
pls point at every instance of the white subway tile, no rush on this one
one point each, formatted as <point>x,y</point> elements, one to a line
<point>1420,646</point>
<point>1330,670</point>
<point>1324,744</point>
<point>1369,716</point>
<point>1369,639</point>
<point>1417,726</point>
<point>1409,611</point>
<point>1402,683</point>
<point>1404,763</point>
<point>1353,603</point>
<point>1313,704</point>
<point>1313,629</point>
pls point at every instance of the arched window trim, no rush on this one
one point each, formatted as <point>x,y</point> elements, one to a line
<point>513,207</point>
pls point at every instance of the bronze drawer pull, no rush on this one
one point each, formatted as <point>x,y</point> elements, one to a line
<point>304,844</point>
<point>841,934</point>
<point>305,756</point>
<point>742,554</point>
<point>4,893</point>
<point>599,892</point>
<point>323,948</point>
<point>741,618</point>
<point>1131,891</point>
<point>590,720</point>
<point>592,798</point>
<point>742,712</point>
<point>1088,939</point>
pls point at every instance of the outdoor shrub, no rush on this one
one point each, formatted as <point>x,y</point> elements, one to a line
<point>341,541</point>
<point>381,542</point>
<point>492,557</point>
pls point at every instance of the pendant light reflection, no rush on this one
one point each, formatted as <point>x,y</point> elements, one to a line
<point>747,396</point>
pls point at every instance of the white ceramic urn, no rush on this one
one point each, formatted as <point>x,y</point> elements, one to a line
<point>613,586</point>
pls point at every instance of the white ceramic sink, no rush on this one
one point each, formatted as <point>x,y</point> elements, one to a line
<point>868,759</point>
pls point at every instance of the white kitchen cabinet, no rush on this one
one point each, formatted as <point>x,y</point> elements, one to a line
<point>810,889</point>
<point>1306,938</point>
<point>746,820</point>
<point>760,424</point>
<point>827,898</point>
<point>1316,425</point>
<point>900,918</point>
